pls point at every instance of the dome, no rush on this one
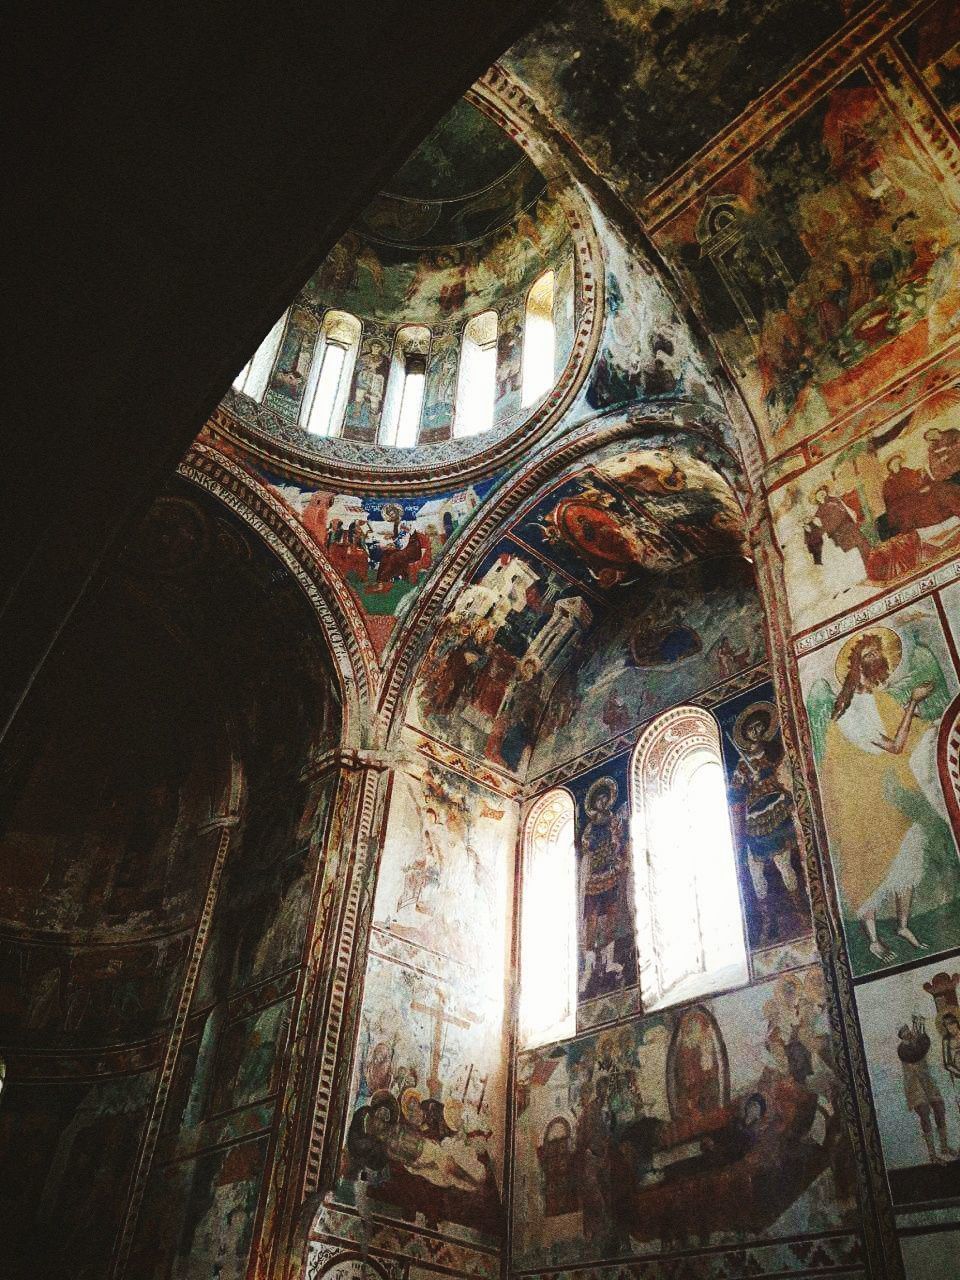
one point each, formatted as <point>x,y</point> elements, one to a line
<point>448,319</point>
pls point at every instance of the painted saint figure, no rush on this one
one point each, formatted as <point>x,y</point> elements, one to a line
<point>762,810</point>
<point>605,913</point>
<point>920,1089</point>
<point>875,745</point>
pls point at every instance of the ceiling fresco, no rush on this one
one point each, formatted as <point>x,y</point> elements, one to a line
<point>539,594</point>
<point>643,84</point>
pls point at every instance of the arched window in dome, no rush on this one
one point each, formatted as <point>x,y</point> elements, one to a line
<point>539,341</point>
<point>548,922</point>
<point>253,378</point>
<point>690,936</point>
<point>403,403</point>
<point>477,382</point>
<point>328,383</point>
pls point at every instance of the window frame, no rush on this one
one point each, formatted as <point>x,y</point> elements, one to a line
<point>350,348</point>
<point>465,374</point>
<point>530,394</point>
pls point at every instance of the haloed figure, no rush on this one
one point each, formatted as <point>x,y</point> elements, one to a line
<point>921,1093</point>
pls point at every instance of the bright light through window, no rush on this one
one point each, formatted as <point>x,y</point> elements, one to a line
<point>548,935</point>
<point>539,342</point>
<point>477,383</point>
<point>253,377</point>
<point>328,384</point>
<point>411,404</point>
<point>689,918</point>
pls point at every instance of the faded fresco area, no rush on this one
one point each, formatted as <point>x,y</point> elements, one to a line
<point>875,701</point>
<point>826,263</point>
<point>691,629</point>
<point>619,77</point>
<point>424,1142</point>
<point>710,1124</point>
<point>873,515</point>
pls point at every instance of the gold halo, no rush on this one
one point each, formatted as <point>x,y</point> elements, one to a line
<point>890,644</point>
<point>453,1114</point>
<point>408,1097</point>
<point>762,708</point>
<point>601,784</point>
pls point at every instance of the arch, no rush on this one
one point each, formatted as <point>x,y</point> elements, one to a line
<point>547,1005</point>
<point>690,926</point>
<point>353,659</point>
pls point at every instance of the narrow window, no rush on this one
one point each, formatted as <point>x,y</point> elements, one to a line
<point>328,384</point>
<point>253,378</point>
<point>403,402</point>
<point>477,384</point>
<point>690,936</point>
<point>548,923</point>
<point>538,341</point>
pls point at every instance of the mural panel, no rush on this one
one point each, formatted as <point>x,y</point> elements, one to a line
<point>706,1124</point>
<point>875,701</point>
<point>874,514</point>
<point>933,43</point>
<point>826,263</point>
<point>911,1032</point>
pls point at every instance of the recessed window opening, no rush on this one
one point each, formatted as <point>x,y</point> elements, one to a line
<point>690,936</point>
<point>403,403</point>
<point>328,385</point>
<point>539,341</point>
<point>477,383</point>
<point>253,378</point>
<point>548,923</point>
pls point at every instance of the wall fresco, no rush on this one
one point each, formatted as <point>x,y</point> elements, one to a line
<point>425,1134</point>
<point>933,43</point>
<point>826,263</point>
<point>873,515</point>
<point>673,638</point>
<point>911,1031</point>
<point>699,1126</point>
<point>383,548</point>
<point>874,701</point>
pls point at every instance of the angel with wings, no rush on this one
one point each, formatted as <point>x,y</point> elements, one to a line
<point>875,745</point>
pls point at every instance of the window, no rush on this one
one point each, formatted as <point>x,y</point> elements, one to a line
<point>689,918</point>
<point>477,384</point>
<point>538,341</point>
<point>328,384</point>
<point>253,377</point>
<point>548,925</point>
<point>403,402</point>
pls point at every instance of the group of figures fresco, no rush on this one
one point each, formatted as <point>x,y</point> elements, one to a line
<point>525,617</point>
<point>669,1132</point>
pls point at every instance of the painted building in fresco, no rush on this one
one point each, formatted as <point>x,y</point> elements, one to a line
<point>267,814</point>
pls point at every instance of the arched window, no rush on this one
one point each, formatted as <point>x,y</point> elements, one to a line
<point>253,378</point>
<point>328,384</point>
<point>403,402</point>
<point>477,383</point>
<point>548,922</point>
<point>539,341</point>
<point>690,938</point>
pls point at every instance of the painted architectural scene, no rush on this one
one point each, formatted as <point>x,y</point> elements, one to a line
<point>875,702</point>
<point>873,515</point>
<point>710,1124</point>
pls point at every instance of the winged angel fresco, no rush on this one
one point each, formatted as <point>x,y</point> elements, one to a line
<point>875,743</point>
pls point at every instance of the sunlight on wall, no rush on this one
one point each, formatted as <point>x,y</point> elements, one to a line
<point>539,341</point>
<point>548,940</point>
<point>253,377</point>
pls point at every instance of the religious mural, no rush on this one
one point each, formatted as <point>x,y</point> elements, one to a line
<point>911,1031</point>
<point>874,514</point>
<point>826,262</point>
<point>760,796</point>
<point>875,700</point>
<point>383,548</point>
<point>704,1124</point>
<point>424,1140</point>
<point>674,637</point>
<point>933,44</point>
